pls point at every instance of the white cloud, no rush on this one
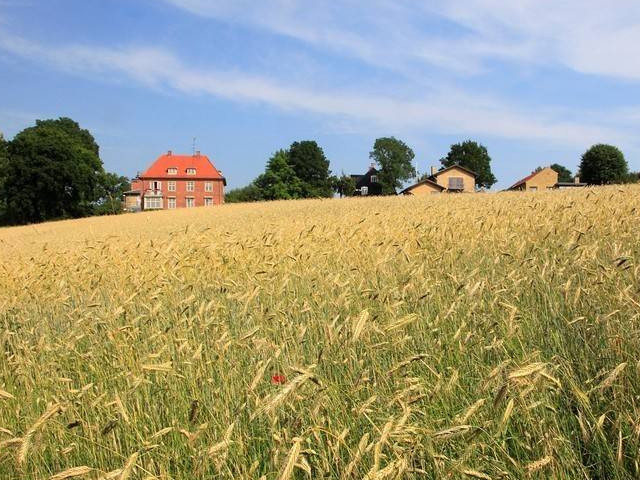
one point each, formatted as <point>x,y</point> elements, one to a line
<point>587,36</point>
<point>442,110</point>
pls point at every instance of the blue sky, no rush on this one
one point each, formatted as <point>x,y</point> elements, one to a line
<point>536,81</point>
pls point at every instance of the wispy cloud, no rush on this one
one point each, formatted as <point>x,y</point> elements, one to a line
<point>442,110</point>
<point>588,36</point>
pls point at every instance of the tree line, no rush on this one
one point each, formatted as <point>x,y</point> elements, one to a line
<point>302,170</point>
<point>53,171</point>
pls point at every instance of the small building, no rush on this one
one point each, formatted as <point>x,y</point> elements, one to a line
<point>453,179</point>
<point>368,183</point>
<point>176,181</point>
<point>545,179</point>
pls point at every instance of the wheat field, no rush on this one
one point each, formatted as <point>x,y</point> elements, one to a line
<point>486,336</point>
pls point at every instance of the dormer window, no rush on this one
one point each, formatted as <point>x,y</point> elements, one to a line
<point>191,171</point>
<point>172,171</point>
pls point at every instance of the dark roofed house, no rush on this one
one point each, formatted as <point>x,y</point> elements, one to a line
<point>368,183</point>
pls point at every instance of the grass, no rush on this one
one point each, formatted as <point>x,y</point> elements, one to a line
<point>471,336</point>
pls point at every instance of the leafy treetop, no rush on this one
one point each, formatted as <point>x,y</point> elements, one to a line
<point>395,163</point>
<point>475,157</point>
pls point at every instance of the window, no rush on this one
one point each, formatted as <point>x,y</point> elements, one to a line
<point>171,185</point>
<point>191,202</point>
<point>191,186</point>
<point>208,186</point>
<point>208,201</point>
<point>191,171</point>
<point>172,171</point>
<point>152,203</point>
<point>456,183</point>
<point>533,189</point>
<point>374,178</point>
<point>155,185</point>
<point>171,202</point>
<point>364,191</point>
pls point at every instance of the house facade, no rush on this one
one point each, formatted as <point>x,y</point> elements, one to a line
<point>177,181</point>
<point>453,179</point>
<point>368,183</point>
<point>545,179</point>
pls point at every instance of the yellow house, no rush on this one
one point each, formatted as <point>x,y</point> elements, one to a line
<point>545,179</point>
<point>423,187</point>
<point>455,178</point>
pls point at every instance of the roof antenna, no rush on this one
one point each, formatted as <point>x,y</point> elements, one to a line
<point>194,147</point>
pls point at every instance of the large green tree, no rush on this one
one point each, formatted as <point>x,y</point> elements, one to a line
<point>311,166</point>
<point>279,181</point>
<point>395,163</point>
<point>53,171</point>
<point>603,164</point>
<point>475,157</point>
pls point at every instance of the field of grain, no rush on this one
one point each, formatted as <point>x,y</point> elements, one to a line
<point>474,336</point>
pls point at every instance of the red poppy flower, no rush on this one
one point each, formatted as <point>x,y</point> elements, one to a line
<point>278,379</point>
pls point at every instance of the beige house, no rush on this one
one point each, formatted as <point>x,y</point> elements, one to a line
<point>545,179</point>
<point>454,179</point>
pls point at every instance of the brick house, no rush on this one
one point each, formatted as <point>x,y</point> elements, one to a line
<point>177,181</point>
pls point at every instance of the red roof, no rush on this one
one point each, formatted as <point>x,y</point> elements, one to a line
<point>524,180</point>
<point>202,164</point>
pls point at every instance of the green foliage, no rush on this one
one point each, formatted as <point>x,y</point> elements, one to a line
<point>631,177</point>
<point>279,181</point>
<point>250,193</point>
<point>475,157</point>
<point>53,171</point>
<point>603,164</point>
<point>3,171</point>
<point>300,172</point>
<point>564,174</point>
<point>111,188</point>
<point>344,185</point>
<point>312,168</point>
<point>395,161</point>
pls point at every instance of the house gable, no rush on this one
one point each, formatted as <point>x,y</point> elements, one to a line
<point>545,179</point>
<point>456,178</point>
<point>368,183</point>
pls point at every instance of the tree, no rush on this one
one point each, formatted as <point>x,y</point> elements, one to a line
<point>279,181</point>
<point>473,156</point>
<point>603,164</point>
<point>344,185</point>
<point>311,167</point>
<point>4,156</point>
<point>111,188</point>
<point>564,174</point>
<point>250,193</point>
<point>53,171</point>
<point>395,161</point>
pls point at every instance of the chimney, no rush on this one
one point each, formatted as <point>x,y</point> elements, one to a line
<point>433,170</point>
<point>197,153</point>
<point>372,165</point>
<point>576,179</point>
<point>169,153</point>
